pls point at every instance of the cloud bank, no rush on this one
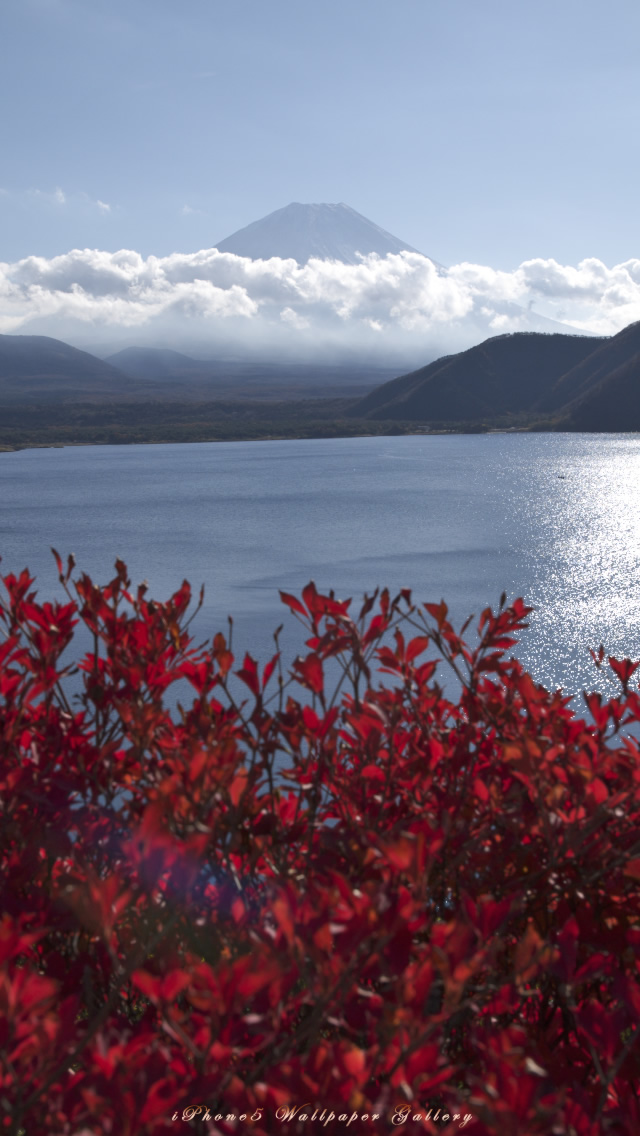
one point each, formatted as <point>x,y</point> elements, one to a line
<point>400,301</point>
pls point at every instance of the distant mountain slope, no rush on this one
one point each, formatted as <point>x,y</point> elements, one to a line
<point>557,381</point>
<point>299,232</point>
<point>176,375</point>
<point>155,363</point>
<point>38,367</point>
<point>505,374</point>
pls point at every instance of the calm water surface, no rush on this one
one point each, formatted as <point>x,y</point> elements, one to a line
<point>552,517</point>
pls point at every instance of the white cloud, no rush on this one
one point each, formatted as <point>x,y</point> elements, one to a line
<point>590,296</point>
<point>287,315</point>
<point>57,198</point>
<point>401,298</point>
<point>44,197</point>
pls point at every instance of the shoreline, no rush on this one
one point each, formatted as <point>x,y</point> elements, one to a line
<point>9,449</point>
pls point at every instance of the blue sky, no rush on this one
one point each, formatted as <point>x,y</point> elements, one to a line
<point>494,132</point>
<point>489,132</point>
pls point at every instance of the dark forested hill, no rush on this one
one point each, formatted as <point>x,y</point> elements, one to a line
<point>612,403</point>
<point>607,358</point>
<point>507,374</point>
<point>37,368</point>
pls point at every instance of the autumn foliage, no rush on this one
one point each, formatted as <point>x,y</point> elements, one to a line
<point>330,884</point>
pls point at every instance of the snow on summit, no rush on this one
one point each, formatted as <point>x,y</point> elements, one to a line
<point>300,232</point>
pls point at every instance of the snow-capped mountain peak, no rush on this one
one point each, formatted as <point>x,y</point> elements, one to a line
<point>300,232</point>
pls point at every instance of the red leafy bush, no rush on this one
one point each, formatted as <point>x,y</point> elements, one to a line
<point>379,901</point>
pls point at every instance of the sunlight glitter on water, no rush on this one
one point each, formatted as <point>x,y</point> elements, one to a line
<point>587,531</point>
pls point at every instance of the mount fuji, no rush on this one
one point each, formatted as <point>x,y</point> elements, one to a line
<point>339,233</point>
<point>294,289</point>
<point>301,232</point>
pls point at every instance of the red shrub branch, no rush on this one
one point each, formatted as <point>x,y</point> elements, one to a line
<point>374,899</point>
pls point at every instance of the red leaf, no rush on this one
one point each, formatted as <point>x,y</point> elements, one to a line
<point>147,984</point>
<point>623,668</point>
<point>401,854</point>
<point>269,669</point>
<point>248,673</point>
<point>416,646</point>
<point>199,674</point>
<point>223,657</point>
<point>632,869</point>
<point>238,786</point>
<point>310,673</point>
<point>282,915</point>
<point>174,984</point>
<point>481,790</point>
<point>311,597</point>
<point>353,1060</point>
<point>598,790</point>
<point>293,603</point>
<point>439,612</point>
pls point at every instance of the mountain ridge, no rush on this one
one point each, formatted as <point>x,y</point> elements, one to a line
<point>33,367</point>
<point>37,368</point>
<point>154,362</point>
<point>530,380</point>
<point>561,381</point>
<point>492,378</point>
<point>614,352</point>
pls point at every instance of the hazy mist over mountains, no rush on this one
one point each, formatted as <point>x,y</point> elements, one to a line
<point>306,284</point>
<point>521,380</point>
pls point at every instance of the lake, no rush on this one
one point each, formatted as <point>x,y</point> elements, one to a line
<point>552,517</point>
